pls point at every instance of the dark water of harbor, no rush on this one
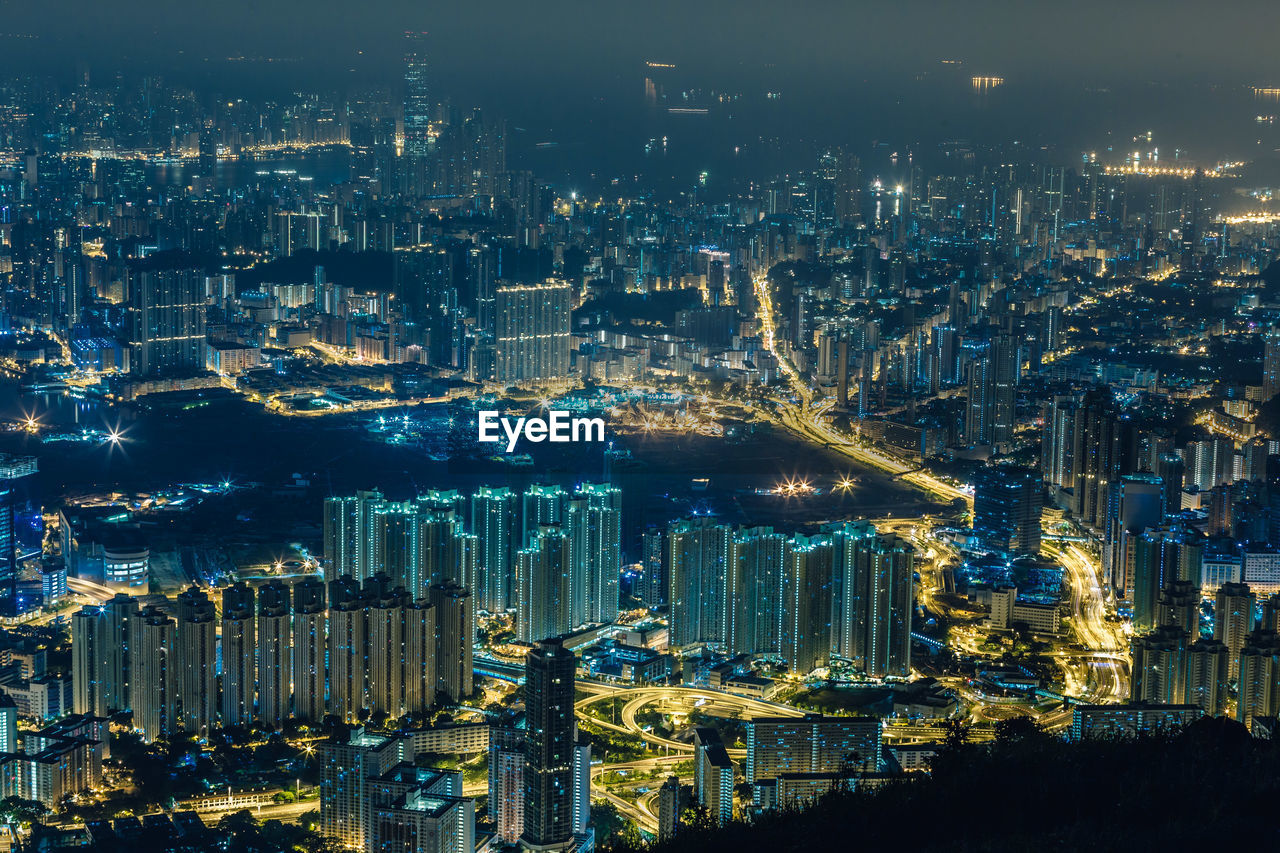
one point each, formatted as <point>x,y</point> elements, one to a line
<point>662,478</point>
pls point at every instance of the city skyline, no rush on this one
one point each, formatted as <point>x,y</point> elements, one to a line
<point>621,429</point>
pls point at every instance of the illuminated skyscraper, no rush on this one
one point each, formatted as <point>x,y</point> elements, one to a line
<point>653,568</point>
<point>532,332</point>
<point>1259,677</point>
<point>1233,620</point>
<point>712,775</point>
<point>595,525</point>
<point>239,658</point>
<point>872,599</point>
<point>494,522</point>
<point>347,648</point>
<point>1134,503</point>
<point>349,535</point>
<point>274,639</point>
<point>167,320</point>
<point>806,630</point>
<point>543,605</point>
<point>541,506</point>
<point>386,656</point>
<point>758,564</point>
<point>420,677</point>
<point>196,645</point>
<point>506,783</point>
<point>455,635</point>
<point>1007,502</point>
<point>993,378</point>
<point>13,469</point>
<point>156,679</point>
<point>1271,364</point>
<point>417,103</point>
<point>699,563</point>
<point>549,747</point>
<point>308,650</point>
<point>100,658</point>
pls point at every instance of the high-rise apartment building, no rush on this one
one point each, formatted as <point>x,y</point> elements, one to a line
<point>239,655</point>
<point>196,650</point>
<point>532,340</point>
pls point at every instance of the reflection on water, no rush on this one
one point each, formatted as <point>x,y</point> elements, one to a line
<point>323,168</point>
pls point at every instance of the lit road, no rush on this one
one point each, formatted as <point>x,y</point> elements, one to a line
<point>1107,672</point>
<point>809,420</point>
<point>684,699</point>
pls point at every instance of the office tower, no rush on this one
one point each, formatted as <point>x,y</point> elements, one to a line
<point>541,506</point>
<point>1258,686</point>
<point>1096,455</point>
<point>1007,502</point>
<point>421,676</point>
<point>1170,469</point>
<point>699,562</point>
<point>670,805</point>
<point>543,606</point>
<point>100,659</point>
<point>778,746</point>
<point>239,654</point>
<point>349,762</point>
<point>154,690</point>
<point>1208,669</point>
<point>1135,502</point>
<point>594,524</point>
<point>13,470</point>
<point>532,333</point>
<point>1233,620</point>
<point>196,649</point>
<point>417,103</point>
<point>806,594</point>
<point>872,599</point>
<point>712,775</point>
<point>1270,364</point>
<point>494,523</point>
<point>758,564</point>
<point>309,650</point>
<point>167,319</point>
<point>274,640</point>
<point>506,783</point>
<point>454,640</point>
<point>348,641</point>
<point>1156,559</point>
<point>549,747</point>
<point>993,376</point>
<point>1159,666</point>
<point>653,582</point>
